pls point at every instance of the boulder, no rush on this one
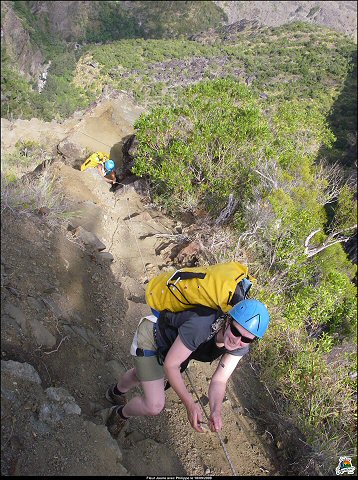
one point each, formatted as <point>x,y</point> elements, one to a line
<point>71,153</point>
<point>129,151</point>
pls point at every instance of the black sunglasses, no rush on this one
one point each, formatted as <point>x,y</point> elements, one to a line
<point>236,333</point>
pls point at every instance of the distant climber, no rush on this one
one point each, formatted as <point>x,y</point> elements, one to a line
<point>105,167</point>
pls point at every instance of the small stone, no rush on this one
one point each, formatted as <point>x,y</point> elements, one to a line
<point>206,470</point>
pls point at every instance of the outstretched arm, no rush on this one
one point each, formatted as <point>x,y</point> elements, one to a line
<point>100,169</point>
<point>177,354</point>
<point>111,177</point>
<point>217,388</point>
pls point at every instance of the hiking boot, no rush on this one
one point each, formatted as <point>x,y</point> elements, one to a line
<point>114,188</point>
<point>115,422</point>
<point>115,398</point>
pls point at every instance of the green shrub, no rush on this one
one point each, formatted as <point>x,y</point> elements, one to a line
<point>201,139</point>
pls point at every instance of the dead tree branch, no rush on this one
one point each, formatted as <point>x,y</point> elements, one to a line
<point>333,238</point>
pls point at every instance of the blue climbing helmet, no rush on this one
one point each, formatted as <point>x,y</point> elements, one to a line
<point>252,315</point>
<point>109,165</point>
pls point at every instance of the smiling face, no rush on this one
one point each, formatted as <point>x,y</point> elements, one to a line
<point>232,341</point>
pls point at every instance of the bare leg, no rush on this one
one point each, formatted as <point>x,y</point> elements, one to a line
<point>112,177</point>
<point>108,180</point>
<point>128,381</point>
<point>151,403</point>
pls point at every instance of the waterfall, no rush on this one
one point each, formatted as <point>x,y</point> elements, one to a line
<point>43,78</point>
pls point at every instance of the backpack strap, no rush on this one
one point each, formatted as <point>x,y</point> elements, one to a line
<point>241,292</point>
<point>179,275</point>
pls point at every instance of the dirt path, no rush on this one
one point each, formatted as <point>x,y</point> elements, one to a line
<point>91,307</point>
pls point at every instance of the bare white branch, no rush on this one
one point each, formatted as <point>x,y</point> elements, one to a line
<point>333,238</point>
<point>269,179</point>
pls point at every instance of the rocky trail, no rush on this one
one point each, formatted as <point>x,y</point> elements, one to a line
<point>71,301</point>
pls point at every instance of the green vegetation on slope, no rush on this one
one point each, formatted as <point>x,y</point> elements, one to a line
<point>60,97</point>
<point>221,140</point>
<point>18,98</point>
<point>38,28</point>
<point>104,21</point>
<point>295,61</point>
<point>175,18</point>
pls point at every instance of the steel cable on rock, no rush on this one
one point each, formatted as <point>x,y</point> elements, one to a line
<point>218,433</point>
<point>93,138</point>
<point>117,223</point>
<point>190,381</point>
<point>136,241</point>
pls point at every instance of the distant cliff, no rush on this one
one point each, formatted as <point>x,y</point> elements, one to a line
<point>68,19</point>
<point>15,36</point>
<point>339,16</point>
<point>26,26</point>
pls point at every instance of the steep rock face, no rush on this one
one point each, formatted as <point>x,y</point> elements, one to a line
<point>16,39</point>
<point>340,16</point>
<point>68,19</point>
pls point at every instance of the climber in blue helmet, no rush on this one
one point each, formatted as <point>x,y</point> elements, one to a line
<point>162,347</point>
<point>107,169</point>
<point>251,315</point>
<point>109,165</point>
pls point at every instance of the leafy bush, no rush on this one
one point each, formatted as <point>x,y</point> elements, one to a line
<point>314,390</point>
<point>204,146</point>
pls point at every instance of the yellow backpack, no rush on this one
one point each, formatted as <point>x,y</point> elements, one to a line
<point>94,160</point>
<point>217,286</point>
